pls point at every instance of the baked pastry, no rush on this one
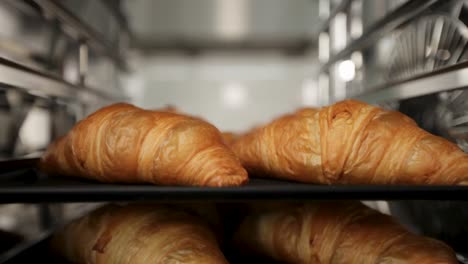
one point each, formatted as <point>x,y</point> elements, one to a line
<point>351,142</point>
<point>335,232</point>
<point>123,143</point>
<point>138,234</point>
<point>229,137</point>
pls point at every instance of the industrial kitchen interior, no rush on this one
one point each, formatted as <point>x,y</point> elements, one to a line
<point>233,131</point>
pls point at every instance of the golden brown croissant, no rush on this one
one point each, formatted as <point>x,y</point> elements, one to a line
<point>138,234</point>
<point>123,143</point>
<point>173,109</point>
<point>351,143</point>
<point>229,137</point>
<point>336,232</point>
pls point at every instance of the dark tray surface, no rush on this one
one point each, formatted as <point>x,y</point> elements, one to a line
<point>28,187</point>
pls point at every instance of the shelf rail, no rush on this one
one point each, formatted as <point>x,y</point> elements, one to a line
<point>391,21</point>
<point>325,23</point>
<point>83,31</point>
<point>40,83</point>
<point>445,79</point>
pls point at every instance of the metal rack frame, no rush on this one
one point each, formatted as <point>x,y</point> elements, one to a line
<point>445,79</point>
<point>44,189</point>
<point>84,32</point>
<point>49,85</point>
<point>44,87</point>
<point>395,19</point>
<point>325,23</point>
<point>44,84</point>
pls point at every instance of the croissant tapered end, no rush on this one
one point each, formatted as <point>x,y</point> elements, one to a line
<point>123,143</point>
<point>386,147</point>
<point>434,160</point>
<point>421,250</point>
<point>53,160</point>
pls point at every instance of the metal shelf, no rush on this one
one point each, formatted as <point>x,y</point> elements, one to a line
<point>393,20</point>
<point>325,24</point>
<point>83,31</point>
<point>25,186</point>
<point>44,84</point>
<point>444,79</point>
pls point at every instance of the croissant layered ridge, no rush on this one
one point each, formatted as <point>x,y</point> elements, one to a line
<point>123,143</point>
<point>351,142</point>
<point>138,234</point>
<point>334,233</point>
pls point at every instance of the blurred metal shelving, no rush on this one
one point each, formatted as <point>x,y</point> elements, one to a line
<point>84,32</point>
<point>68,44</point>
<point>44,84</point>
<point>439,80</point>
<point>445,79</point>
<point>325,23</point>
<point>59,60</point>
<point>391,21</point>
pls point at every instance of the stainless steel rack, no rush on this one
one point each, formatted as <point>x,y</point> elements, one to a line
<point>325,23</point>
<point>445,79</point>
<point>83,32</point>
<point>385,25</point>
<point>448,78</point>
<point>46,84</point>
<point>47,58</point>
<point>83,41</point>
<point>47,54</point>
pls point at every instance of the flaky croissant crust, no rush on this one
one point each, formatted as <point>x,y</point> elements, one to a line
<point>351,142</point>
<point>138,234</point>
<point>123,143</point>
<point>334,233</point>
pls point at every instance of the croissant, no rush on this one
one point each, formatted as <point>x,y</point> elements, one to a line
<point>351,142</point>
<point>335,232</point>
<point>137,234</point>
<point>229,137</point>
<point>123,143</point>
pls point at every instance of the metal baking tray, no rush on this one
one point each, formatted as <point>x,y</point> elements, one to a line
<point>28,186</point>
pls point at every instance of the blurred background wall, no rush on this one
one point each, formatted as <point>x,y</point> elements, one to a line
<point>233,91</point>
<point>235,63</point>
